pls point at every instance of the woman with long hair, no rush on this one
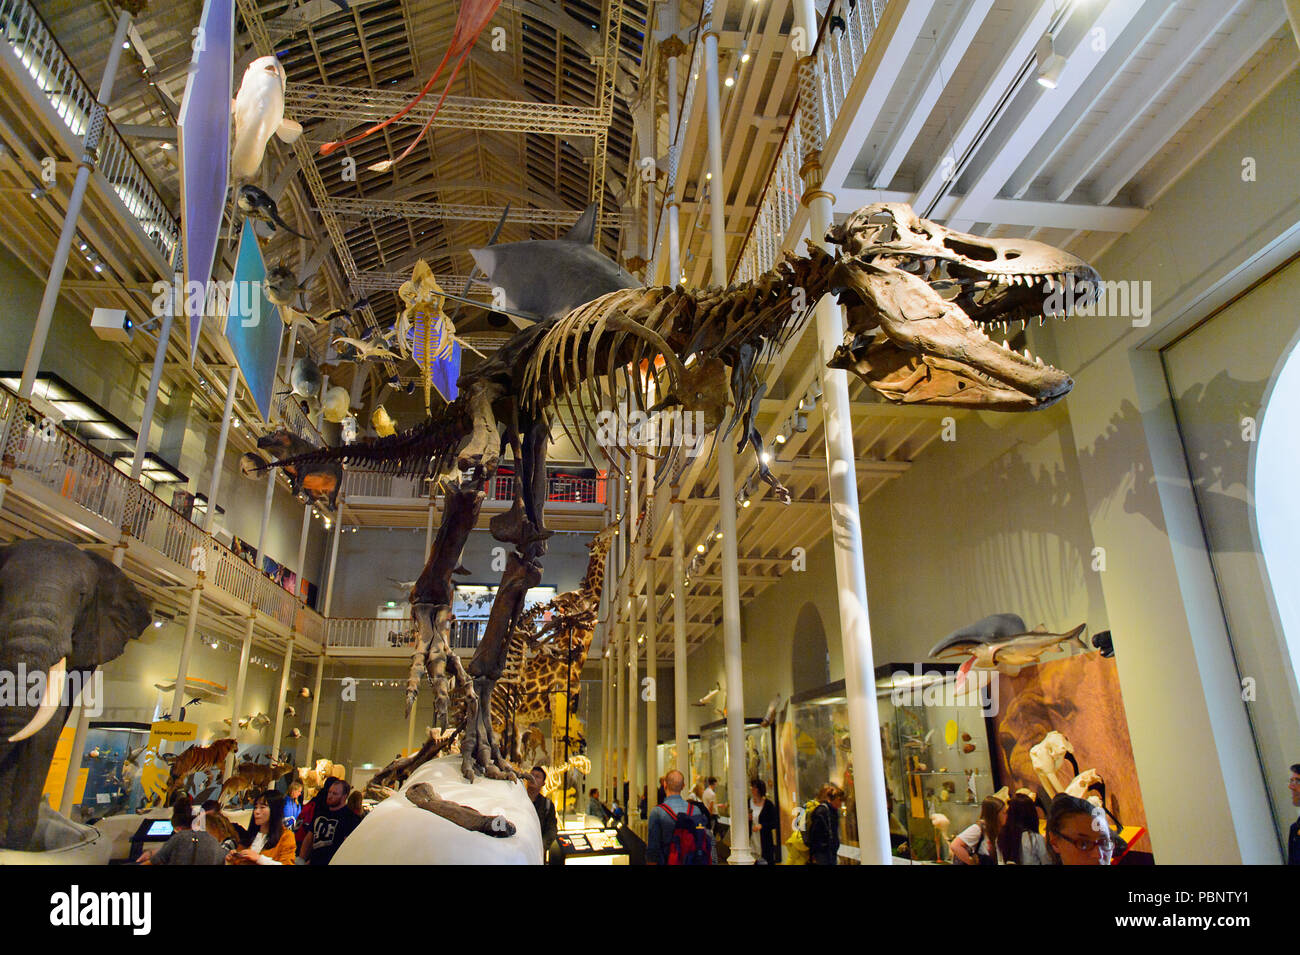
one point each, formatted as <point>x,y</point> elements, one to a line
<point>977,844</point>
<point>219,826</point>
<point>1020,841</point>
<point>269,842</point>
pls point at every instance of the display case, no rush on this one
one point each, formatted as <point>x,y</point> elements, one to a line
<point>112,775</point>
<point>666,758</point>
<point>759,762</point>
<point>935,748</point>
<point>813,748</point>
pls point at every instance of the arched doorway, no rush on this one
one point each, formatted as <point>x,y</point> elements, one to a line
<point>810,660</point>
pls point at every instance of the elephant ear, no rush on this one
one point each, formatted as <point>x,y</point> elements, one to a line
<point>115,612</point>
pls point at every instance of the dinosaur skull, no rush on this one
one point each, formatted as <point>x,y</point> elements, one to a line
<point>933,293</point>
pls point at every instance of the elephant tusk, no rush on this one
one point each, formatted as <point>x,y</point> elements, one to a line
<point>49,705</point>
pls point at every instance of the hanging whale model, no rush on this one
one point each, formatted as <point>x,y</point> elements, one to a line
<point>258,108</point>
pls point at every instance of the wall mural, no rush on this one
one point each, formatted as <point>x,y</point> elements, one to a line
<point>1077,697</point>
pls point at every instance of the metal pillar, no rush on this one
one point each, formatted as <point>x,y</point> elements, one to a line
<point>80,725</point>
<point>674,157</point>
<point>604,714</point>
<point>231,384</point>
<point>334,559</point>
<point>302,544</point>
<point>717,213</point>
<point>284,688</point>
<point>620,711</point>
<point>94,130</point>
<point>737,782</point>
<point>846,518</point>
<point>652,671</point>
<point>241,679</point>
<point>183,668</point>
<point>315,711</point>
<point>633,686</point>
<point>679,638</point>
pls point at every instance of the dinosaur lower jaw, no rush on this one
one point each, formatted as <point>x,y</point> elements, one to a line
<point>931,352</point>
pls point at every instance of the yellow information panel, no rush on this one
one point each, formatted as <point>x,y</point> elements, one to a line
<point>59,766</point>
<point>154,771</point>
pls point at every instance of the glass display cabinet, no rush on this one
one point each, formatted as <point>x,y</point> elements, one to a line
<point>935,747</point>
<point>935,742</point>
<point>760,747</point>
<point>112,776</point>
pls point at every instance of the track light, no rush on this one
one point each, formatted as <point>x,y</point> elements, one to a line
<point>1050,63</point>
<point>699,548</point>
<point>800,422</point>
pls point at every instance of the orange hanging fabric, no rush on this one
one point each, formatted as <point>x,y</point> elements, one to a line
<point>473,19</point>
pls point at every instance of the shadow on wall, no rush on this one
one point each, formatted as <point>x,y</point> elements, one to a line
<point>1219,463</point>
<point>810,661</point>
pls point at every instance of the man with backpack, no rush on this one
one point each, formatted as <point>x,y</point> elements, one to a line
<point>678,832</point>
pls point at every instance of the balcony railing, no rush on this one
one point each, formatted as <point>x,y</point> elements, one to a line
<point>74,101</point>
<point>560,488</point>
<point>838,54</point>
<point>388,633</point>
<point>45,453</point>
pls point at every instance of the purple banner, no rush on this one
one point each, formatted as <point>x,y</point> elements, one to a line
<point>204,143</point>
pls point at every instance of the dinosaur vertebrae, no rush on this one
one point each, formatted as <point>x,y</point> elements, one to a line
<point>623,329</point>
<point>428,449</point>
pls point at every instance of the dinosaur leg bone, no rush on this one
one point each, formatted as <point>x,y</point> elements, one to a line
<point>424,796</point>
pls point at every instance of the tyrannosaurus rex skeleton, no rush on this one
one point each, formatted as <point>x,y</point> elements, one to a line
<point>919,299</point>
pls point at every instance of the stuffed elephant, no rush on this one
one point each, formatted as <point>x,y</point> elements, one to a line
<point>62,611</point>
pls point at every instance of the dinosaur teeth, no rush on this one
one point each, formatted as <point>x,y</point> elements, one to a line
<point>1006,344</point>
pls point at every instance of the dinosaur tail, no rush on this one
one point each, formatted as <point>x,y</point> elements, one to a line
<point>427,449</point>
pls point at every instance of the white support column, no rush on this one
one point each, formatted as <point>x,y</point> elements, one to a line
<point>846,518</point>
<point>603,775</point>
<point>633,691</point>
<point>183,667</point>
<point>301,567</point>
<point>309,757</point>
<point>241,680</point>
<point>679,638</point>
<point>279,700</point>
<point>717,196</point>
<point>652,671</point>
<point>620,710</point>
<point>670,21</point>
<point>334,559</point>
<point>94,131</point>
<point>231,384</point>
<point>77,719</point>
<point>737,783</point>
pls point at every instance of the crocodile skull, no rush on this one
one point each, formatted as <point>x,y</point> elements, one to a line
<point>932,294</point>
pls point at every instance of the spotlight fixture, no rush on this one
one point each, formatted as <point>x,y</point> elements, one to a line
<point>708,176</point>
<point>38,192</point>
<point>800,422</point>
<point>815,389</point>
<point>744,58</point>
<point>729,82</point>
<point>746,502</point>
<point>767,457</point>
<point>1050,63</point>
<point>699,548</point>
<point>718,535</point>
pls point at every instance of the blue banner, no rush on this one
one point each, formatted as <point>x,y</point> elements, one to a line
<point>203,134</point>
<point>253,323</point>
<point>445,371</point>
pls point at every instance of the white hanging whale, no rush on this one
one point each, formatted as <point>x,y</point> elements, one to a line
<point>258,108</point>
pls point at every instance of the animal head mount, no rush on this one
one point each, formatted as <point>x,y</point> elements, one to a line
<point>934,293</point>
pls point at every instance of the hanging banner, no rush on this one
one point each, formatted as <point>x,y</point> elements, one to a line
<point>203,140</point>
<point>253,323</point>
